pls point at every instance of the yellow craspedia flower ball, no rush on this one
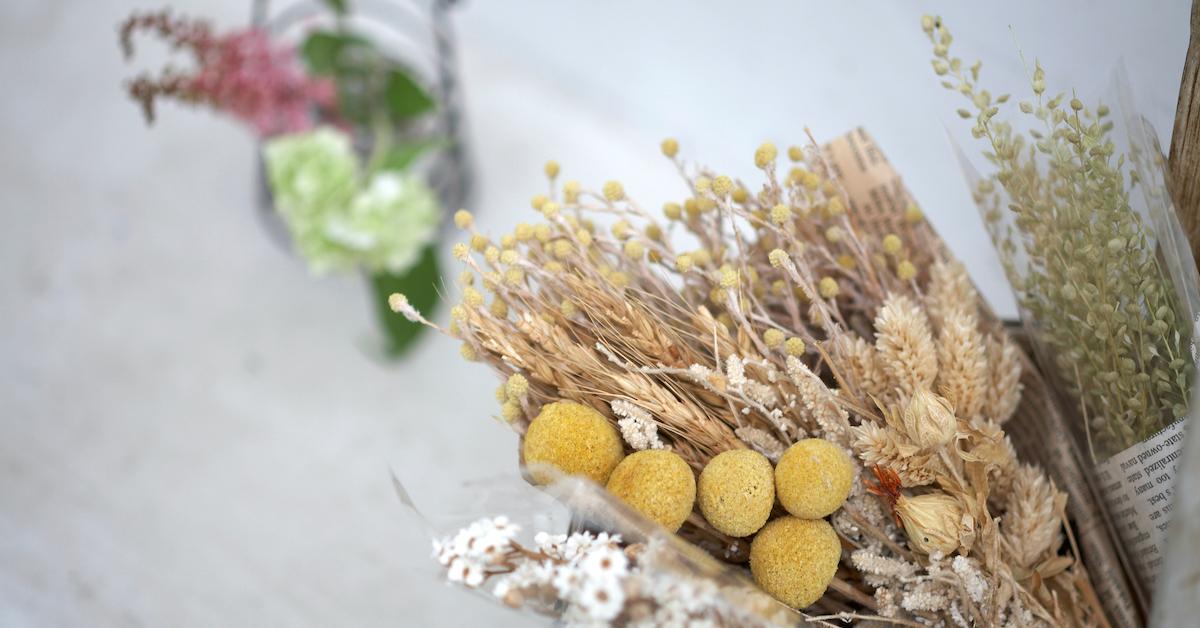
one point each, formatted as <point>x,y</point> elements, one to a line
<point>737,491</point>
<point>656,483</point>
<point>813,478</point>
<point>794,559</point>
<point>574,439</point>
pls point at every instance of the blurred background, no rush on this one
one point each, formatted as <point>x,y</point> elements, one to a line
<point>193,430</point>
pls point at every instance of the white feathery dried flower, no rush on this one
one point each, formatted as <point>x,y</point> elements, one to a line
<point>637,427</point>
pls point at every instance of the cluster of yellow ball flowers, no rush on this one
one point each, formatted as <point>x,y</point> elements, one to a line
<point>792,557</point>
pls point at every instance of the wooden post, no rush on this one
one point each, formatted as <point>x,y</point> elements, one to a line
<point>1184,160</point>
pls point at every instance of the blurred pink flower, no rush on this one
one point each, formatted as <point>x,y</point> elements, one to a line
<point>244,73</point>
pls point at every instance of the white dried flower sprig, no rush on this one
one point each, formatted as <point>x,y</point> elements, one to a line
<point>586,579</point>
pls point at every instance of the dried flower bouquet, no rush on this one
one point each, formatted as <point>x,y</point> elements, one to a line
<point>785,317</point>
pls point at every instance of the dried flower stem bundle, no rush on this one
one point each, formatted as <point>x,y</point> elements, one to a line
<point>786,321</point>
<point>1081,258</point>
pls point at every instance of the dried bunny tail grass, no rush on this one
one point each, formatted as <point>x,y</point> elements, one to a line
<point>1004,372</point>
<point>950,289</point>
<point>962,358</point>
<point>1031,524</point>
<point>904,344</point>
<point>879,446</point>
<point>860,368</point>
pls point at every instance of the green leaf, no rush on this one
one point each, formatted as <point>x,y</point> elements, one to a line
<point>419,284</point>
<point>341,7</point>
<point>405,99</point>
<point>402,156</point>
<point>325,52</point>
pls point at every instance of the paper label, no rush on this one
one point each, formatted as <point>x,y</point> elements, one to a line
<point>1137,485</point>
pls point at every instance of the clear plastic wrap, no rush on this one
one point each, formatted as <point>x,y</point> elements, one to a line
<point>572,552</point>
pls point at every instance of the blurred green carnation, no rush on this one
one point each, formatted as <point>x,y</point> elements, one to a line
<point>335,222</point>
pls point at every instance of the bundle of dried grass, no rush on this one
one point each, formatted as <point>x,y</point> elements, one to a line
<point>788,320</point>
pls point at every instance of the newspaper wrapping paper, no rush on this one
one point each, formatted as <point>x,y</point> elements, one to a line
<point>1137,485</point>
<point>1038,430</point>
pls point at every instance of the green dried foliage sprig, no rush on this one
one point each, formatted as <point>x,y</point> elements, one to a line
<point>1080,257</point>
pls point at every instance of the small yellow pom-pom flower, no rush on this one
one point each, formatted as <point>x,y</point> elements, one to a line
<point>479,243</point>
<point>773,338</point>
<point>458,313</point>
<point>670,147</point>
<point>542,233</point>
<point>692,208</point>
<point>551,169</point>
<point>736,492</point>
<point>510,411</point>
<point>550,210</point>
<point>813,478</point>
<point>740,195</point>
<point>795,153</point>
<point>466,278</point>
<point>653,232</point>
<point>573,439</point>
<point>722,186</point>
<point>618,279</point>
<point>765,155</point>
<point>705,204</point>
<point>460,252</point>
<point>501,393</point>
<point>499,309</point>
<point>516,386</point>
<point>701,257</point>
<point>833,235</point>
<point>658,484</point>
<point>634,249</point>
<point>835,206</point>
<point>567,308</point>
<point>585,237</point>
<point>847,261</point>
<point>613,191</point>
<point>508,241</point>
<point>779,287</point>
<point>571,190</point>
<point>728,277</point>
<point>906,271</point>
<point>523,231</point>
<point>683,263</point>
<point>828,287</point>
<point>718,296</point>
<point>778,257</point>
<point>794,346</point>
<point>622,229</point>
<point>794,560</point>
<point>892,244</point>
<point>912,213</point>
<point>537,201</point>
<point>509,256</point>
<point>463,219</point>
<point>514,276</point>
<point>672,211</point>
<point>472,297</point>
<point>702,184</point>
<point>781,214</point>
<point>562,249</point>
<point>468,352</point>
<point>491,254</point>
